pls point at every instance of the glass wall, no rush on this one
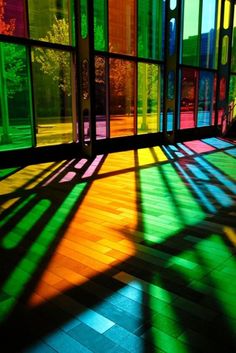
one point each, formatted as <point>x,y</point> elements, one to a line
<point>232,87</point>
<point>133,66</point>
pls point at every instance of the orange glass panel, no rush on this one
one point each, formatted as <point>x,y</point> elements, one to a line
<point>122,87</point>
<point>122,27</point>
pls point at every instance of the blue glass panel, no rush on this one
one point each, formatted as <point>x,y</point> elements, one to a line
<point>208,33</point>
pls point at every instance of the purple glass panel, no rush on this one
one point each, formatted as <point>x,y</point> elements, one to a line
<point>12,18</point>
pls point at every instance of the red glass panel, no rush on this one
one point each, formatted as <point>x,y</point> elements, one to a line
<point>188,94</point>
<point>12,18</point>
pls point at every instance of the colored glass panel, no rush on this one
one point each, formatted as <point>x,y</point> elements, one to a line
<point>226,14</point>
<point>232,94</point>
<point>233,56</point>
<point>148,98</point>
<point>188,94</point>
<point>171,84</point>
<point>208,33</point>
<point>172,38</point>
<point>218,26</point>
<point>52,93</point>
<point>100,25</point>
<point>122,37</point>
<point>12,18</point>
<point>50,21</point>
<point>225,48</point>
<point>122,74</point>
<point>206,98</point>
<point>191,40</point>
<point>83,18</point>
<point>173,4</point>
<point>100,97</point>
<point>150,28</point>
<point>15,98</point>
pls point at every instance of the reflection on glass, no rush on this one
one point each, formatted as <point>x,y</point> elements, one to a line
<point>232,95</point>
<point>206,98</point>
<point>100,96</point>
<point>12,18</point>
<point>100,25</point>
<point>15,98</point>
<point>50,21</point>
<point>171,84</point>
<point>122,26</point>
<point>148,98</point>
<point>122,74</point>
<point>52,92</point>
<point>188,93</point>
<point>150,29</point>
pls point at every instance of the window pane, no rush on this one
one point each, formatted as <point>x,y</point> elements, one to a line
<point>50,21</point>
<point>100,25</point>
<point>206,98</point>
<point>225,48</point>
<point>52,93</point>
<point>151,29</point>
<point>188,93</point>
<point>122,26</point>
<point>15,98</point>
<point>12,18</point>
<point>190,33</point>
<point>100,97</point>
<point>208,33</point>
<point>148,98</point>
<point>122,74</point>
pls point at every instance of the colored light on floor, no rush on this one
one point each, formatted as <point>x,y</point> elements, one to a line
<point>198,146</point>
<point>25,225</point>
<point>167,204</point>
<point>224,162</point>
<point>231,234</point>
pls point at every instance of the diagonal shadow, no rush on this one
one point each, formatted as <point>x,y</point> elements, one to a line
<point>64,306</point>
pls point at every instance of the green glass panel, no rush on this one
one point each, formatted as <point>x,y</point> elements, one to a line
<point>84,18</point>
<point>233,56</point>
<point>51,21</point>
<point>148,98</point>
<point>15,98</point>
<point>52,95</point>
<point>225,48</point>
<point>150,29</point>
<point>122,32</point>
<point>122,76</point>
<point>191,38</point>
<point>100,25</point>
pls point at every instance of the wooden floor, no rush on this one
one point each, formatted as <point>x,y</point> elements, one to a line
<point>129,252</point>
